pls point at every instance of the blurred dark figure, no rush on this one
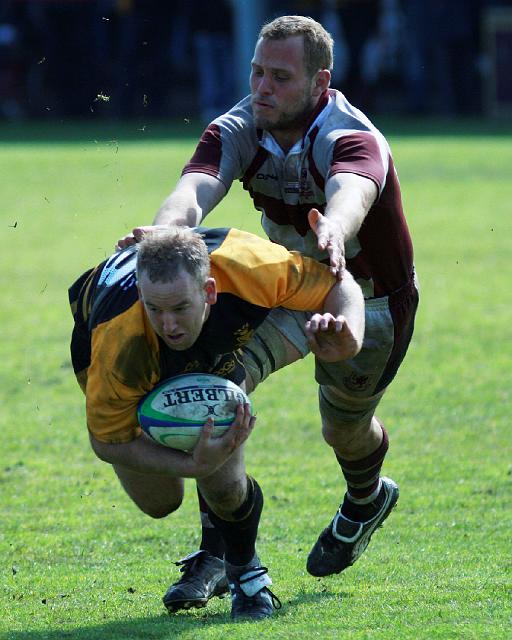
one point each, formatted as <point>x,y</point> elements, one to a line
<point>496,60</point>
<point>137,58</point>
<point>368,46</point>
<point>136,41</point>
<point>92,58</point>
<point>359,21</point>
<point>13,64</point>
<point>443,52</point>
<point>212,33</point>
<point>381,60</point>
<point>68,62</point>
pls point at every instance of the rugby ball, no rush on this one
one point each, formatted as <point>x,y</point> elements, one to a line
<point>174,412</point>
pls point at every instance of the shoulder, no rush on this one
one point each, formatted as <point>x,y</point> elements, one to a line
<point>237,249</point>
<point>239,245</point>
<point>345,120</point>
<point>237,123</point>
<point>227,146</point>
<point>116,287</point>
<point>244,263</point>
<point>347,141</point>
<point>214,237</point>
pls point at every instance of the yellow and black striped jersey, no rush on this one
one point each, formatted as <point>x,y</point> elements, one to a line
<point>118,358</point>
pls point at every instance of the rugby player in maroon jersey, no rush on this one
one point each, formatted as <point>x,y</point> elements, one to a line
<point>323,179</point>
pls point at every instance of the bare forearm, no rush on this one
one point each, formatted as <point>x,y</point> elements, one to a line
<point>349,198</point>
<point>179,209</point>
<point>209,454</point>
<point>145,456</point>
<point>346,299</point>
<point>337,334</point>
<point>196,194</point>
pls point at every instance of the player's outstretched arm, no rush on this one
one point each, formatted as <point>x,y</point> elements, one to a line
<point>349,198</point>
<point>147,456</point>
<point>338,332</point>
<point>195,195</point>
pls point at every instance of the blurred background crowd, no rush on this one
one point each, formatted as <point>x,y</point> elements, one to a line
<point>160,59</point>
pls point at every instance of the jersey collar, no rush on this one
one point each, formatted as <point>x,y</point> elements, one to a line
<point>316,120</point>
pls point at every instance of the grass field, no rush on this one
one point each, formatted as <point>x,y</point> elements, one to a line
<point>79,561</point>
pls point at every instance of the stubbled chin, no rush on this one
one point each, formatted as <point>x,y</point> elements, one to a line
<point>262,123</point>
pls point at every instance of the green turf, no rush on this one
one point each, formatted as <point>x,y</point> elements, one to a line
<point>79,561</point>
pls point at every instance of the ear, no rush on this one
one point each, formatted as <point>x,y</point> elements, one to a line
<point>210,288</point>
<point>322,80</point>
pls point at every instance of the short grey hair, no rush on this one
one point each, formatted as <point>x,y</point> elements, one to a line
<point>163,253</point>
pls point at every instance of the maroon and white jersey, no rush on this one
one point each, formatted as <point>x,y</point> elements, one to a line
<point>285,186</point>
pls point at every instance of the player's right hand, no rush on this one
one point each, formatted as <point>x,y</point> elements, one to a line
<point>330,240</point>
<point>211,453</point>
<point>136,236</point>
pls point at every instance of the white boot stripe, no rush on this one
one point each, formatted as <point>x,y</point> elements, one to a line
<point>254,581</point>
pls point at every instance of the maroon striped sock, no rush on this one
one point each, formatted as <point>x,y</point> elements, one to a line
<point>362,476</point>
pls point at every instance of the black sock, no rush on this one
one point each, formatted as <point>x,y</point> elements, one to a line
<point>362,512</point>
<point>211,538</point>
<point>240,534</point>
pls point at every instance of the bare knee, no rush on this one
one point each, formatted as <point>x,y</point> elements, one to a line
<point>343,434</point>
<point>349,425</point>
<point>353,441</point>
<point>159,511</point>
<point>225,500</point>
<point>155,496</point>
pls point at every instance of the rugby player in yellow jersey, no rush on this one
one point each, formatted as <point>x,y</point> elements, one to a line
<point>187,300</point>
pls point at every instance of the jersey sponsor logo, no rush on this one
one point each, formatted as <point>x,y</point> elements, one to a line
<point>227,368</point>
<point>243,335</point>
<point>305,189</point>
<point>302,186</point>
<point>195,365</point>
<point>266,176</point>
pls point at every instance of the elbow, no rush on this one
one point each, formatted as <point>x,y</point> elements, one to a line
<point>357,334</point>
<point>359,338</point>
<point>358,345</point>
<point>353,349</point>
<point>102,450</point>
<point>360,335</point>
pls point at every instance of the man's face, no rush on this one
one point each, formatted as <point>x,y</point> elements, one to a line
<point>282,94</point>
<point>177,309</point>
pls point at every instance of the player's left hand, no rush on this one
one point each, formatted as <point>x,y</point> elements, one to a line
<point>330,338</point>
<point>330,239</point>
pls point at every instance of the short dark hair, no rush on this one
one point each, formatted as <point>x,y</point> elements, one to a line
<point>163,253</point>
<point>318,43</point>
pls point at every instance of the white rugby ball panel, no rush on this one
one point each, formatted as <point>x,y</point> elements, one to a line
<point>174,412</point>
